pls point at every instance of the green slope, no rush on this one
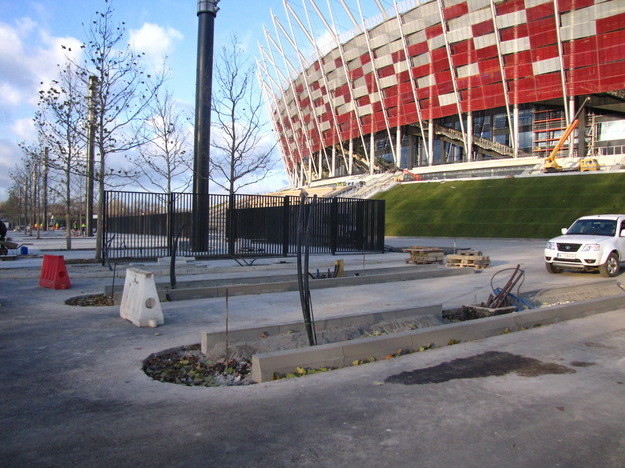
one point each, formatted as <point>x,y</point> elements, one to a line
<point>529,207</point>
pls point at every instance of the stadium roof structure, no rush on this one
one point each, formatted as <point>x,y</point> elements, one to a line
<point>403,88</point>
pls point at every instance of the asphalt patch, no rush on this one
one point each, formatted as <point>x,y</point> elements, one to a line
<point>582,364</point>
<point>489,364</point>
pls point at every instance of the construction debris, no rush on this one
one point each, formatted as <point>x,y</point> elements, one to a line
<point>423,255</point>
<point>501,300</point>
<point>467,259</point>
<point>501,297</point>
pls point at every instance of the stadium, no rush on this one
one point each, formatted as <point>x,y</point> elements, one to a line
<point>444,88</point>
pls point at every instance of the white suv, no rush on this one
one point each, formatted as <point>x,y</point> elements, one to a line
<point>591,242</point>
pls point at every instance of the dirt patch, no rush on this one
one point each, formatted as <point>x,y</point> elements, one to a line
<point>188,366</point>
<point>492,363</point>
<point>592,344</point>
<point>583,364</point>
<point>90,300</point>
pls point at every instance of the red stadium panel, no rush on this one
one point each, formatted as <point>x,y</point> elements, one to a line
<point>568,5</point>
<point>438,54</point>
<point>486,53</point>
<point>421,71</point>
<point>487,66</point>
<point>386,71</point>
<point>425,92</point>
<point>443,76</point>
<point>514,32</point>
<point>418,49</point>
<point>356,73</point>
<point>611,23</point>
<point>391,92</point>
<point>363,101</point>
<point>434,31</point>
<point>455,11</point>
<point>509,6</point>
<point>543,32</point>
<point>539,11</point>
<point>485,27</point>
<point>398,56</point>
<point>544,53</point>
<point>403,77</point>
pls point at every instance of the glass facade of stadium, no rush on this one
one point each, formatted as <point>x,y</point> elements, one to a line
<point>444,85</point>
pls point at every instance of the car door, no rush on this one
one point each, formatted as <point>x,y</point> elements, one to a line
<point>620,239</point>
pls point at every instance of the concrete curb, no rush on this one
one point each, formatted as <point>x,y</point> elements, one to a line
<point>209,340</point>
<point>342,354</point>
<point>284,286</point>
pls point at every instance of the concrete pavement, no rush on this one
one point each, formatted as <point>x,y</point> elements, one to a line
<point>73,391</point>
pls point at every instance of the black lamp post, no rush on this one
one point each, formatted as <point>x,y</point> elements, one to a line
<point>206,12</point>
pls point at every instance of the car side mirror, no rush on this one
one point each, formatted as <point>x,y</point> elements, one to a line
<point>564,230</point>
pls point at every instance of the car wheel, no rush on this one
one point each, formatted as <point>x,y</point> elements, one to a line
<point>611,267</point>
<point>551,268</point>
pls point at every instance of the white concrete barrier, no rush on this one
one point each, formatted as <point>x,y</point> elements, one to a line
<point>140,303</point>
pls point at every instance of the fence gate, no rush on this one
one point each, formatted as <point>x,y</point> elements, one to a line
<point>145,225</point>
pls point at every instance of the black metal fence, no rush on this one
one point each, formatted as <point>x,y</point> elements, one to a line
<point>145,225</point>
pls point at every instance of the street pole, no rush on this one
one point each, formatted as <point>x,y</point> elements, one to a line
<point>93,84</point>
<point>206,12</point>
<point>45,188</point>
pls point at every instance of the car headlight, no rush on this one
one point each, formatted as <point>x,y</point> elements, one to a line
<point>551,245</point>
<point>591,248</point>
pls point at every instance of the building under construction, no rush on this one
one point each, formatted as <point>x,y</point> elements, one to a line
<point>443,88</point>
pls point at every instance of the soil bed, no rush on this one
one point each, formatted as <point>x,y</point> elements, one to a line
<point>188,366</point>
<point>90,300</point>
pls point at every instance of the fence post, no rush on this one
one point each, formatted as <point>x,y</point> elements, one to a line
<point>170,222</point>
<point>231,223</point>
<point>104,224</point>
<point>381,223</point>
<point>334,228</point>
<point>285,226</point>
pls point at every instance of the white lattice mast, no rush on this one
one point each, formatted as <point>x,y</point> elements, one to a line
<point>268,96</point>
<point>284,77</point>
<point>316,119</point>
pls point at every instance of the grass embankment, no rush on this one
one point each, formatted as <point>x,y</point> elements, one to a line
<point>529,207</point>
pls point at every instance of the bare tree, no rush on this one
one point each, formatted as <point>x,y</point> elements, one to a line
<point>166,156</point>
<point>242,154</point>
<point>120,99</point>
<point>28,176</point>
<point>60,121</point>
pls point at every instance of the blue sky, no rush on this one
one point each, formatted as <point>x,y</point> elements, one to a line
<point>32,31</point>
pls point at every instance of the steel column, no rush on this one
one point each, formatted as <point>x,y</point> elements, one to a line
<point>206,12</point>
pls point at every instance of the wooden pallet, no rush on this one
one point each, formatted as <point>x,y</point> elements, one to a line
<point>424,255</point>
<point>466,260</point>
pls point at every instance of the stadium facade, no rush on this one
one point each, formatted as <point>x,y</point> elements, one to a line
<point>444,86</point>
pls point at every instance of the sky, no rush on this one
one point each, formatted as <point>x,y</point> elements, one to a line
<point>33,31</point>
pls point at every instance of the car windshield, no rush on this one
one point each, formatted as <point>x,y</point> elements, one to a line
<point>593,227</point>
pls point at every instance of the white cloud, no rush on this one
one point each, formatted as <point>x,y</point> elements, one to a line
<point>9,95</point>
<point>9,155</point>
<point>27,59</point>
<point>24,129</point>
<point>155,41</point>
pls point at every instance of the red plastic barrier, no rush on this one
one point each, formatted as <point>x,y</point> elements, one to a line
<point>54,273</point>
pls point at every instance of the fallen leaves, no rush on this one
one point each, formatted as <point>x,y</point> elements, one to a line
<point>189,367</point>
<point>90,300</point>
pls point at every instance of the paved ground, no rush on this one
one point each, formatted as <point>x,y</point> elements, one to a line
<point>73,391</point>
